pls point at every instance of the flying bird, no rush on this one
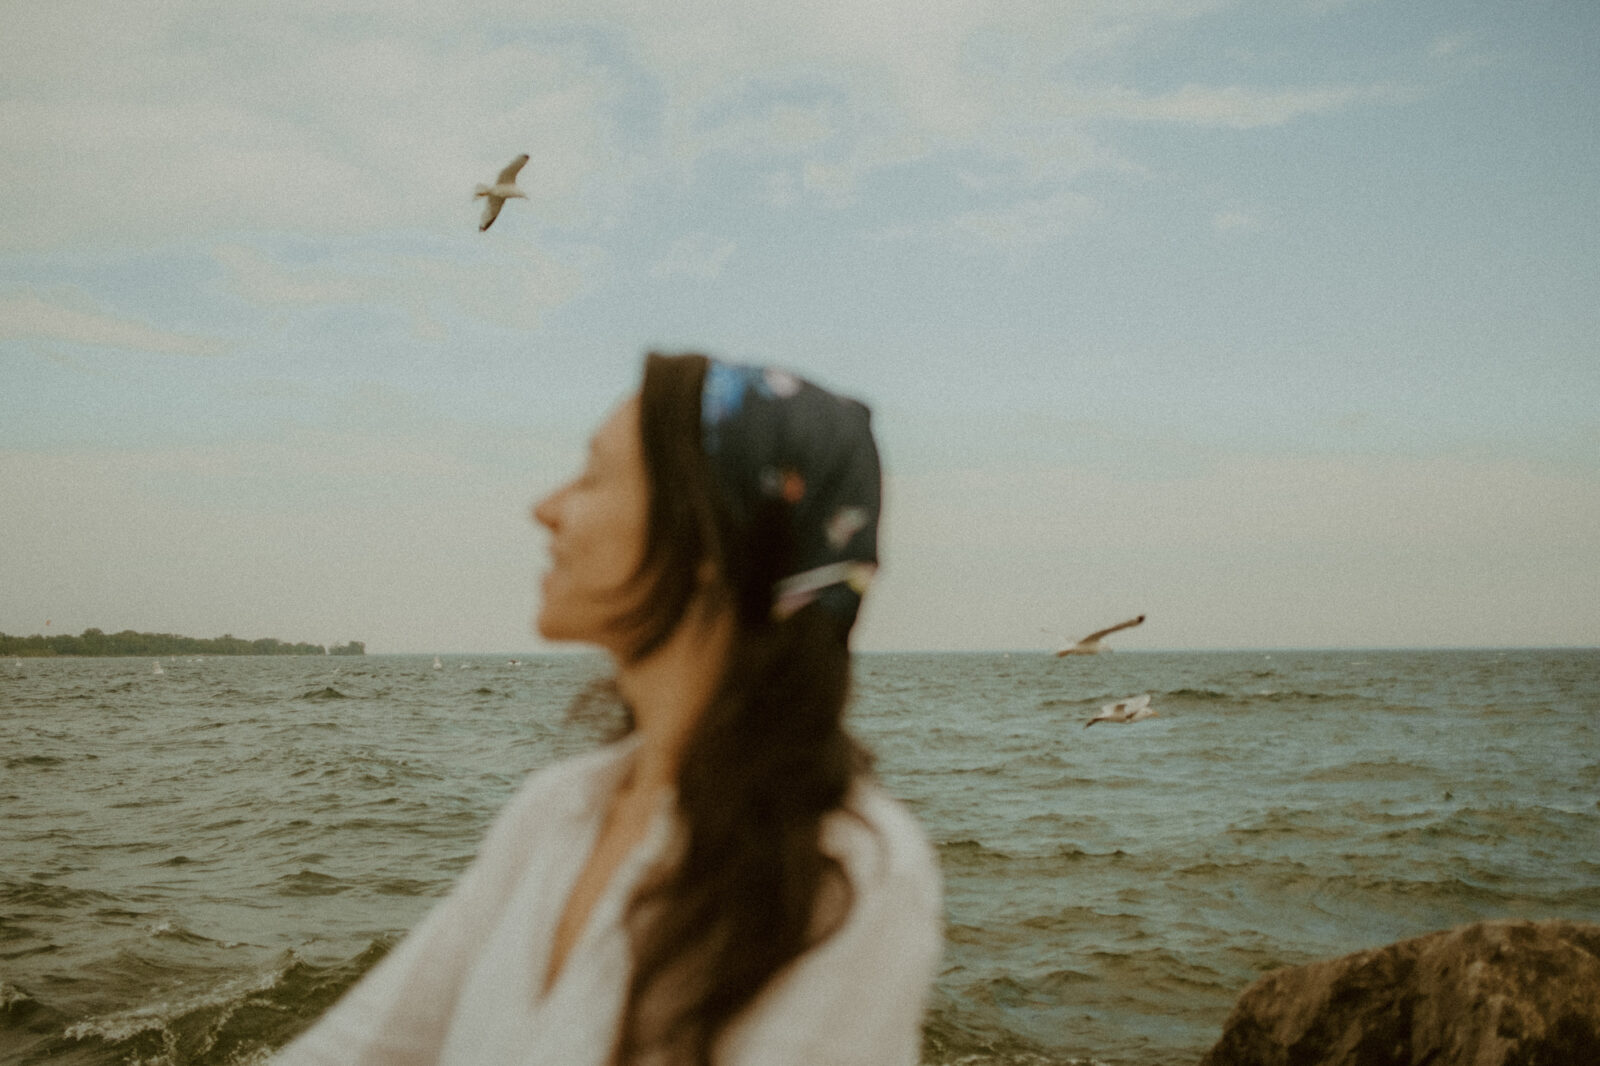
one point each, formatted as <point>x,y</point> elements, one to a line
<point>503,189</point>
<point>1134,709</point>
<point>1090,645</point>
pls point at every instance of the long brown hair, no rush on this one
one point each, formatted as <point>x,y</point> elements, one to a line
<point>767,760</point>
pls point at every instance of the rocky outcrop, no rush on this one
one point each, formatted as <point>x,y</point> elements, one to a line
<point>1502,993</point>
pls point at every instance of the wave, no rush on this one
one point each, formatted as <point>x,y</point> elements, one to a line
<point>404,886</point>
<point>45,895</point>
<point>972,858</point>
<point>1249,829</point>
<point>1388,770</point>
<point>310,883</point>
<point>1294,697</point>
<point>957,1036</point>
<point>1137,972</point>
<point>1200,695</point>
<point>232,695</point>
<point>1492,825</point>
<point>1049,860</point>
<point>1079,918</point>
<point>21,762</point>
<point>237,1020</point>
<point>28,1027</point>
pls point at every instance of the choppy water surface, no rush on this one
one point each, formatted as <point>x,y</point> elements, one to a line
<point>194,863</point>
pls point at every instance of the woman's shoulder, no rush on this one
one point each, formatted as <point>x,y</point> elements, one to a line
<point>878,840</point>
<point>573,784</point>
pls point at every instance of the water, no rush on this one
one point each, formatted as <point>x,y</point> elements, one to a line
<point>193,864</point>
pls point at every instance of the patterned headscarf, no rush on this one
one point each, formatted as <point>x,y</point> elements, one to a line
<point>772,436</point>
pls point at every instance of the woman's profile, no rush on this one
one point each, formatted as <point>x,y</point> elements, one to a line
<point>726,885</point>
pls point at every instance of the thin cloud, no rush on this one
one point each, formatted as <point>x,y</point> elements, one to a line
<point>1017,226</point>
<point>1234,107</point>
<point>312,126</point>
<point>268,283</point>
<point>698,255</point>
<point>781,129</point>
<point>293,128</point>
<point>512,288</point>
<point>1234,222</point>
<point>28,317</point>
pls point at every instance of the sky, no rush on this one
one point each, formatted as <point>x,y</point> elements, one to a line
<point>1278,322</point>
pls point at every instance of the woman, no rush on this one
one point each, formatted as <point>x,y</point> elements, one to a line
<point>725,886</point>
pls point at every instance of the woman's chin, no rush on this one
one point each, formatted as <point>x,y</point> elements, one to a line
<point>542,625</point>
<point>561,620</point>
<point>551,625</point>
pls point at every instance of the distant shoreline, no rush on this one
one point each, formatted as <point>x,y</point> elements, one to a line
<point>128,644</point>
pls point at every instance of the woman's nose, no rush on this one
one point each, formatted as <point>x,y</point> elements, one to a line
<point>544,511</point>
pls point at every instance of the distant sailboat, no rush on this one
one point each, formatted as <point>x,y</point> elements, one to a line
<point>158,669</point>
<point>437,665</point>
<point>1090,645</point>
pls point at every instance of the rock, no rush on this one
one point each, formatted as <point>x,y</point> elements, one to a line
<point>1502,993</point>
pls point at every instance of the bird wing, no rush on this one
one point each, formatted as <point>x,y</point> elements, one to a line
<point>508,176</point>
<point>1092,637</point>
<point>491,211</point>
<point>1138,703</point>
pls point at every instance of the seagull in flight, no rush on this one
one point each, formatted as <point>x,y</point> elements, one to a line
<point>503,189</point>
<point>1090,645</point>
<point>1134,709</point>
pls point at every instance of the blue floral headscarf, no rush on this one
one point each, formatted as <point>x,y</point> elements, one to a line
<point>772,436</point>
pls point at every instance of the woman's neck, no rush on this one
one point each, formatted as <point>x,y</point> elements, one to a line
<point>668,691</point>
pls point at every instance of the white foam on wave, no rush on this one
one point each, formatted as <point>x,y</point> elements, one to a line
<point>158,1017</point>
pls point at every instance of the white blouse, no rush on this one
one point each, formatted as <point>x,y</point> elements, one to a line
<point>463,989</point>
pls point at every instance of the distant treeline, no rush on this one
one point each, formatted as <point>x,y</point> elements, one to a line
<point>94,642</point>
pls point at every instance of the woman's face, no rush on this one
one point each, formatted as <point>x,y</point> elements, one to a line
<point>597,523</point>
